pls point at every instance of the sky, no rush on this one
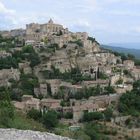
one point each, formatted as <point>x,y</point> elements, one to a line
<point>109,21</point>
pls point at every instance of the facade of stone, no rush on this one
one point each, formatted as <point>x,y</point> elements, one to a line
<point>8,74</point>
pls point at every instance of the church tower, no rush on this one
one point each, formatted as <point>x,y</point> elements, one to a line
<point>50,21</point>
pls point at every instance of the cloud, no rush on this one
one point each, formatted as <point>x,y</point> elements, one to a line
<point>4,10</point>
<point>7,16</point>
<point>121,1</point>
<point>106,19</point>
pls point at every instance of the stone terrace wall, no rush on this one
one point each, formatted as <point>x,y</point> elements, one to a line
<point>13,134</point>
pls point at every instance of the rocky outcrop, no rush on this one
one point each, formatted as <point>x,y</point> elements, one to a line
<point>13,134</point>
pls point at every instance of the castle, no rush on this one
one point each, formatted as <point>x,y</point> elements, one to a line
<point>55,34</point>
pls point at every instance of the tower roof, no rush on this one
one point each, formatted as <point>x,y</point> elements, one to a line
<point>50,21</point>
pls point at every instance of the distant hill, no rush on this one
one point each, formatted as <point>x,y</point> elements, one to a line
<point>129,45</point>
<point>135,52</point>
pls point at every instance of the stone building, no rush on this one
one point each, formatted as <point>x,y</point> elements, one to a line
<point>123,88</point>
<point>60,61</point>
<point>68,88</point>
<point>50,104</point>
<point>102,83</point>
<point>25,67</point>
<point>98,103</point>
<point>54,84</point>
<point>6,34</point>
<point>32,104</point>
<point>28,103</point>
<point>78,111</point>
<point>79,36</point>
<point>8,74</point>
<point>135,73</point>
<point>114,78</point>
<point>17,32</point>
<point>4,54</point>
<point>129,64</point>
<point>37,32</point>
<point>13,33</point>
<point>107,69</point>
<point>60,40</point>
<point>90,46</point>
<point>41,90</point>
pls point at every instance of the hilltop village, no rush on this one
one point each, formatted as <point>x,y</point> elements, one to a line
<point>48,67</point>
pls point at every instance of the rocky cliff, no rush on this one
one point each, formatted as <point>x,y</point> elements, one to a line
<point>13,134</point>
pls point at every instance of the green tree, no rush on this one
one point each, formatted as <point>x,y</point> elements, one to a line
<point>46,40</point>
<point>27,83</point>
<point>108,113</point>
<point>131,57</point>
<point>6,113</point>
<point>92,116</point>
<point>28,49</point>
<point>34,114</point>
<point>35,60</point>
<point>68,115</point>
<point>129,103</point>
<point>109,90</point>
<point>6,108</point>
<point>50,119</point>
<point>120,81</point>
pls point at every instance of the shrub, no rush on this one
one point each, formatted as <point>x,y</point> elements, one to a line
<point>92,116</point>
<point>34,114</point>
<point>50,119</point>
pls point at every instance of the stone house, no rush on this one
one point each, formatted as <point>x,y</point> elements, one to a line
<point>32,104</point>
<point>4,54</point>
<point>88,65</point>
<point>68,88</point>
<point>60,40</point>
<point>25,67</point>
<point>114,78</point>
<point>90,46</point>
<point>54,84</point>
<point>50,104</point>
<point>120,120</point>
<point>129,64</point>
<point>41,90</point>
<point>28,103</point>
<point>107,69</point>
<point>6,34</point>
<point>19,105</point>
<point>102,83</point>
<point>77,107</point>
<point>16,49</point>
<point>60,61</point>
<point>98,103</point>
<point>78,111</point>
<point>67,109</point>
<point>135,73</point>
<point>29,42</point>
<point>123,88</point>
<point>57,85</point>
<point>8,74</point>
<point>79,36</point>
<point>17,32</point>
<point>112,60</point>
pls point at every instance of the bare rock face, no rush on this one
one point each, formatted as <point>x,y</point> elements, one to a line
<point>13,134</point>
